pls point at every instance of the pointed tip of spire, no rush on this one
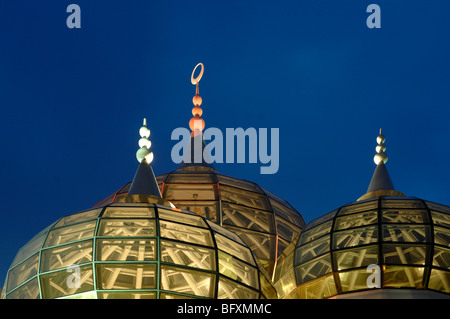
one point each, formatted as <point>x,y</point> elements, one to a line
<point>381,183</point>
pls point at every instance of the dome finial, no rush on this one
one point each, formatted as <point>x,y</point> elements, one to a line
<point>381,156</point>
<point>144,144</point>
<point>197,124</point>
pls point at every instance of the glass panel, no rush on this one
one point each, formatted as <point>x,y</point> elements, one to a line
<point>438,207</point>
<point>356,220</point>
<point>246,198</point>
<point>405,254</point>
<point>403,276</point>
<point>234,249</point>
<point>312,249</point>
<point>359,207</point>
<point>354,279</point>
<point>28,291</point>
<point>64,283</point>
<point>188,255</point>
<point>231,290</point>
<point>313,269</point>
<point>126,249</point>
<point>129,212</point>
<point>290,215</point>
<point>83,295</point>
<point>285,284</point>
<point>262,245</point>
<point>439,280</point>
<point>225,232</point>
<point>285,263</point>
<point>355,237</point>
<point>406,233</point>
<point>405,216</point>
<point>320,288</point>
<point>441,219</point>
<point>441,257</point>
<point>402,203</point>
<point>22,272</point>
<point>33,246</point>
<point>278,199</point>
<point>163,295</point>
<point>186,233</point>
<point>356,257</point>
<point>127,295</point>
<point>181,218</point>
<point>321,220</point>
<point>248,218</point>
<point>190,191</point>
<point>127,227</point>
<point>126,276</point>
<point>71,233</point>
<point>286,230</point>
<point>230,181</point>
<point>187,281</point>
<point>237,270</point>
<point>79,217</point>
<point>67,255</point>
<point>442,236</point>
<point>191,178</point>
<point>316,232</point>
<point>207,209</point>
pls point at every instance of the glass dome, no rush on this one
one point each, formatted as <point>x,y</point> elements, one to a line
<point>265,222</point>
<point>134,250</point>
<point>407,239</point>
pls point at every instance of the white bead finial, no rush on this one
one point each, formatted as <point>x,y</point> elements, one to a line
<point>144,144</point>
<point>381,156</point>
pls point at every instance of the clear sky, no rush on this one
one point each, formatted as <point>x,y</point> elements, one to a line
<point>72,100</point>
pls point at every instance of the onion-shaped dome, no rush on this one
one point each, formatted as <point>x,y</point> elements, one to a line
<point>134,250</point>
<point>383,242</point>
<point>265,222</point>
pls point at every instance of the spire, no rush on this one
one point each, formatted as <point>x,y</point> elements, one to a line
<point>381,183</point>
<point>144,182</point>
<point>194,156</point>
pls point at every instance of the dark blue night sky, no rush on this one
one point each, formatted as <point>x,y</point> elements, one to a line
<point>72,100</point>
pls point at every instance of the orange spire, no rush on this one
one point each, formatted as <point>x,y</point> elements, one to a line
<point>197,124</point>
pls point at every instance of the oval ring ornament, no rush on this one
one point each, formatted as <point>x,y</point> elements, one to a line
<point>199,77</point>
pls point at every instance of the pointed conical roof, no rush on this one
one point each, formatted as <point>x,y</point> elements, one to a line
<point>381,183</point>
<point>144,181</point>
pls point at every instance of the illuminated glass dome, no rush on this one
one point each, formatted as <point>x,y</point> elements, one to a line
<point>134,250</point>
<point>385,240</point>
<point>408,238</point>
<point>140,246</point>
